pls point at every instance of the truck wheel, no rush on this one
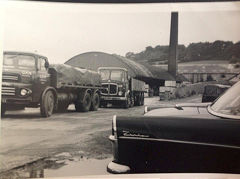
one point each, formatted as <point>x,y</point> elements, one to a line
<point>3,110</point>
<point>95,102</point>
<point>47,105</point>
<point>141,99</point>
<point>132,101</point>
<point>127,103</point>
<point>84,106</point>
<point>138,100</point>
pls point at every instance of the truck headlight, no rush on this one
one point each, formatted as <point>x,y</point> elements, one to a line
<point>120,93</point>
<point>24,92</point>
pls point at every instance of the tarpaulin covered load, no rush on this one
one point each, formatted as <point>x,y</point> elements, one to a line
<point>69,75</point>
<point>141,71</point>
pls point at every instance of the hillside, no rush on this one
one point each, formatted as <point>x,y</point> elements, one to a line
<point>202,51</point>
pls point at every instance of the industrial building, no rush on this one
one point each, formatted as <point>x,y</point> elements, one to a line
<point>153,76</point>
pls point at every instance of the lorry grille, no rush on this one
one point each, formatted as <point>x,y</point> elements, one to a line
<point>10,77</point>
<point>113,89</point>
<point>8,91</point>
<point>109,89</point>
<point>105,90</point>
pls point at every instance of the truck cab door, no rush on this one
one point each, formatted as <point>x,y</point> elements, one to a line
<point>42,77</point>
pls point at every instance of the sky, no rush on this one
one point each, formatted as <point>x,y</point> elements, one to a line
<point>63,30</point>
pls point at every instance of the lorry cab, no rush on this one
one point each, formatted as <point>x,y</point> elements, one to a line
<point>120,88</point>
<point>24,77</point>
<point>114,81</point>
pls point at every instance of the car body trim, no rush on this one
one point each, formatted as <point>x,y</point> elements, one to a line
<point>181,141</point>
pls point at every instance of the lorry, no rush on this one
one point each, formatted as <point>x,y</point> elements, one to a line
<point>29,81</point>
<point>119,88</point>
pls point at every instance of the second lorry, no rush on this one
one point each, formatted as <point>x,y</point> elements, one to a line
<point>119,88</point>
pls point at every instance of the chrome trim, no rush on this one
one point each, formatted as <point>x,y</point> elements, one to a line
<point>220,114</point>
<point>180,141</point>
<point>109,88</point>
<point>10,77</point>
<point>145,109</point>
<point>112,138</point>
<point>115,84</point>
<point>114,123</point>
<point>116,168</point>
<point>8,91</point>
<point>193,104</point>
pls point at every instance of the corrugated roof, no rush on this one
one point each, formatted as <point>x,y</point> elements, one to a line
<point>94,60</point>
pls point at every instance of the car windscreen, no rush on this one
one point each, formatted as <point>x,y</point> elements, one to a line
<point>229,102</point>
<point>19,61</point>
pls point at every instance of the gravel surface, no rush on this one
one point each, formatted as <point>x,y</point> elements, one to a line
<point>31,145</point>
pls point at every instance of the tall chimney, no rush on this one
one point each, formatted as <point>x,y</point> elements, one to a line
<point>172,58</point>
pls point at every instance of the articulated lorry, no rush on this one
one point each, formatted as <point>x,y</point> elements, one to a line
<point>119,88</point>
<point>29,81</point>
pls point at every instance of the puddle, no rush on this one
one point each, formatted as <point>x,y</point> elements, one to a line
<point>80,168</point>
<point>52,167</point>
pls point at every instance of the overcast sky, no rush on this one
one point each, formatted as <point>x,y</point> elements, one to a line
<point>60,31</point>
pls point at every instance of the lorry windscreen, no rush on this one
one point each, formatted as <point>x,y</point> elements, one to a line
<point>19,61</point>
<point>117,75</point>
<point>105,74</point>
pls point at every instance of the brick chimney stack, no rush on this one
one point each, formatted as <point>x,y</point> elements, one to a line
<point>172,58</point>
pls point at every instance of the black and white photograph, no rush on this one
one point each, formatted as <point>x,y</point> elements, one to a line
<point>120,90</point>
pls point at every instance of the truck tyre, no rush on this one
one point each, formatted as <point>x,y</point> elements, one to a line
<point>47,105</point>
<point>95,102</point>
<point>85,105</point>
<point>132,101</point>
<point>138,100</point>
<point>141,99</point>
<point>3,110</point>
<point>127,103</point>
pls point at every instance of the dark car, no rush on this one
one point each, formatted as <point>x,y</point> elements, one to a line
<point>213,91</point>
<point>202,138</point>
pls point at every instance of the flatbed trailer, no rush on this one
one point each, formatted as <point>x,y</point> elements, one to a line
<point>28,81</point>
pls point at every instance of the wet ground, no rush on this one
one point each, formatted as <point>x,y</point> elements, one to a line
<point>66,144</point>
